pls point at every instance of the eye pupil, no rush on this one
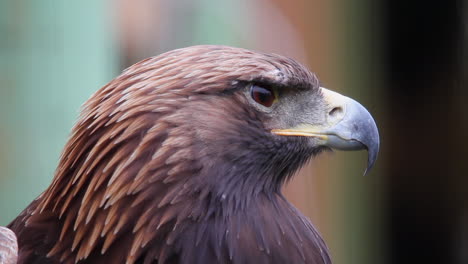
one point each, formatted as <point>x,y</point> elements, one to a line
<point>262,95</point>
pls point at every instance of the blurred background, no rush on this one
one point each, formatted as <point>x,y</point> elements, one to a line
<point>406,61</point>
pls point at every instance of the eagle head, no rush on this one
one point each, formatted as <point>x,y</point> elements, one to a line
<point>181,159</point>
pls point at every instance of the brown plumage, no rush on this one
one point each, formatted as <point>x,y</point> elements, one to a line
<point>175,162</point>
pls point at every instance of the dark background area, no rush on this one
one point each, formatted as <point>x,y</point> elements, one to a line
<point>425,80</point>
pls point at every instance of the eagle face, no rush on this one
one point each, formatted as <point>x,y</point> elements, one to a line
<point>181,159</point>
<point>275,108</point>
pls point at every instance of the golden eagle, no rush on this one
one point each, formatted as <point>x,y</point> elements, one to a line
<point>181,159</point>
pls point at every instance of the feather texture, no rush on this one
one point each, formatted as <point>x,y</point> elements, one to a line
<point>8,246</point>
<point>168,163</point>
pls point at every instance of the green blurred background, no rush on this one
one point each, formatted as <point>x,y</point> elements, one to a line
<point>406,61</point>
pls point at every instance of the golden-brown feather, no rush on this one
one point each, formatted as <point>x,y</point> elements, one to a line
<point>124,174</point>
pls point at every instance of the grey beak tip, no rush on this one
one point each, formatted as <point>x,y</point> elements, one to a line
<point>370,164</point>
<point>372,150</point>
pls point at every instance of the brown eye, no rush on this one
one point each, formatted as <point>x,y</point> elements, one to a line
<point>262,95</point>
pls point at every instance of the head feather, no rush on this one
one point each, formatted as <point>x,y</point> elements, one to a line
<point>164,151</point>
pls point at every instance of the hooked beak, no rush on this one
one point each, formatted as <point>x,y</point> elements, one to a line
<point>348,126</point>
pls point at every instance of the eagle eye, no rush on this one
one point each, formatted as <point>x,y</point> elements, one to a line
<point>262,95</point>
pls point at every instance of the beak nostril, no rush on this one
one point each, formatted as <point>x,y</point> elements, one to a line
<point>335,111</point>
